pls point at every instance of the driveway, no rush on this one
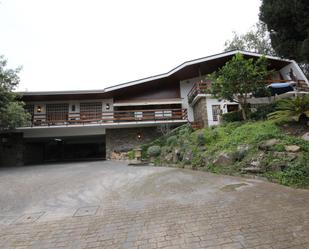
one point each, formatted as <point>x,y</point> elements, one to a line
<point>107,204</point>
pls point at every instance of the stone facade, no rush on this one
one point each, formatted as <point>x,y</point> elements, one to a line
<point>120,141</point>
<point>11,149</point>
<point>200,112</point>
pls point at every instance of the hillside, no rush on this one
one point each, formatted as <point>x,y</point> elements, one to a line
<point>260,148</point>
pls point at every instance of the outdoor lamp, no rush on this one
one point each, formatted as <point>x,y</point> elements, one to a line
<point>107,106</point>
<point>39,109</point>
<point>139,136</point>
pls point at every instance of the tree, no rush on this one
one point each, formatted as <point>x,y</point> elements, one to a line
<point>12,113</point>
<point>255,40</point>
<point>288,24</point>
<point>238,79</point>
<point>296,109</point>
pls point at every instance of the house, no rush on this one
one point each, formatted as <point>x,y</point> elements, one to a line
<point>76,125</point>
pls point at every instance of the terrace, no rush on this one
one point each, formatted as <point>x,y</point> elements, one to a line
<point>108,117</point>
<point>204,87</point>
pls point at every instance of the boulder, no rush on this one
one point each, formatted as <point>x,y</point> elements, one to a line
<point>177,155</point>
<point>287,156</point>
<point>252,170</point>
<point>169,157</point>
<point>224,159</point>
<point>241,152</point>
<point>188,156</point>
<point>268,144</point>
<point>292,148</point>
<point>306,136</point>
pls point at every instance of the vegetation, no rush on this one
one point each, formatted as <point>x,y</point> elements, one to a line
<point>238,79</point>
<point>255,40</point>
<point>287,110</point>
<point>240,142</point>
<point>12,113</point>
<point>287,22</point>
<point>154,151</point>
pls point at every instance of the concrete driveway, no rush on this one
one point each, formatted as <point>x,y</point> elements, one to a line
<point>110,205</point>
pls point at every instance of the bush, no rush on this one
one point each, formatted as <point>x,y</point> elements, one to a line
<point>262,111</point>
<point>154,151</point>
<point>200,139</point>
<point>171,141</point>
<point>232,116</point>
<point>131,154</point>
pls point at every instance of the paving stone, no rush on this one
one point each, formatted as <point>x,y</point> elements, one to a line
<point>86,211</point>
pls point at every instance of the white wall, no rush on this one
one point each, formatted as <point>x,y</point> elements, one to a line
<point>223,106</point>
<point>185,87</point>
<point>296,70</point>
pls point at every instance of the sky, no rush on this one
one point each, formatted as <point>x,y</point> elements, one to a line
<point>92,44</point>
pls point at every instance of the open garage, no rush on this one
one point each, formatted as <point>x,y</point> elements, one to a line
<point>63,144</point>
<point>59,149</point>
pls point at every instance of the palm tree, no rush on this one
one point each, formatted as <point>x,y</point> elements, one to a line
<point>287,110</point>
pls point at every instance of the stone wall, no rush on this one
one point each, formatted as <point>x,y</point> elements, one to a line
<point>200,112</point>
<point>11,149</point>
<point>120,141</point>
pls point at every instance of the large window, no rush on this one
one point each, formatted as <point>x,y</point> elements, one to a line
<point>57,112</point>
<point>215,112</point>
<point>91,111</point>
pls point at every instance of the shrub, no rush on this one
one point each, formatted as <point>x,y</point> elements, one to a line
<point>200,138</point>
<point>262,111</point>
<point>131,154</point>
<point>232,116</point>
<point>171,141</point>
<point>154,151</point>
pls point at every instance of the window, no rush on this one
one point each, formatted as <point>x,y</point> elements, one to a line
<point>215,112</point>
<point>73,108</point>
<point>57,112</point>
<point>91,110</point>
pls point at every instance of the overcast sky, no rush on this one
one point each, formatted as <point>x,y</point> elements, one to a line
<point>92,44</point>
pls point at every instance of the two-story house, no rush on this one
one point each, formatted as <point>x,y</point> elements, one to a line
<point>75,125</point>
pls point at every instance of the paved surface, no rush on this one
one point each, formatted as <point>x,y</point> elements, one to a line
<point>111,205</point>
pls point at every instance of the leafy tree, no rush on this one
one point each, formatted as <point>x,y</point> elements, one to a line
<point>288,24</point>
<point>12,113</point>
<point>255,40</point>
<point>238,79</point>
<point>296,109</point>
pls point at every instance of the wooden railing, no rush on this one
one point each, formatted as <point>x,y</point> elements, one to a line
<point>199,88</point>
<point>108,117</point>
<point>205,87</point>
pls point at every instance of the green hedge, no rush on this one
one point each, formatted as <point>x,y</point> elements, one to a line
<point>232,116</point>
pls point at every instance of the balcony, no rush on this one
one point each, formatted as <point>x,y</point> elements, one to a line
<point>205,87</point>
<point>199,88</point>
<point>108,117</point>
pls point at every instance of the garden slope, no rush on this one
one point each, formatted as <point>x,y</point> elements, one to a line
<point>260,148</point>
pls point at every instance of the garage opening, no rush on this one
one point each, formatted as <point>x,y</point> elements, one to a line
<point>61,149</point>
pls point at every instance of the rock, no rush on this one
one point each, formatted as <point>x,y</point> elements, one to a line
<point>306,136</point>
<point>292,148</point>
<point>268,144</point>
<point>188,156</point>
<point>169,157</point>
<point>241,152</point>
<point>255,164</point>
<point>177,155</point>
<point>224,159</point>
<point>289,156</point>
<point>252,170</point>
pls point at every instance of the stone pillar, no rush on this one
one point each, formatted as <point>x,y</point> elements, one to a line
<point>200,112</point>
<point>121,140</point>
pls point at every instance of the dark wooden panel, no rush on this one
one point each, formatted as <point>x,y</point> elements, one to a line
<point>160,89</point>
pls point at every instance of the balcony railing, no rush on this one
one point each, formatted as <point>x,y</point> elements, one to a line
<point>108,117</point>
<point>205,87</point>
<point>199,88</point>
